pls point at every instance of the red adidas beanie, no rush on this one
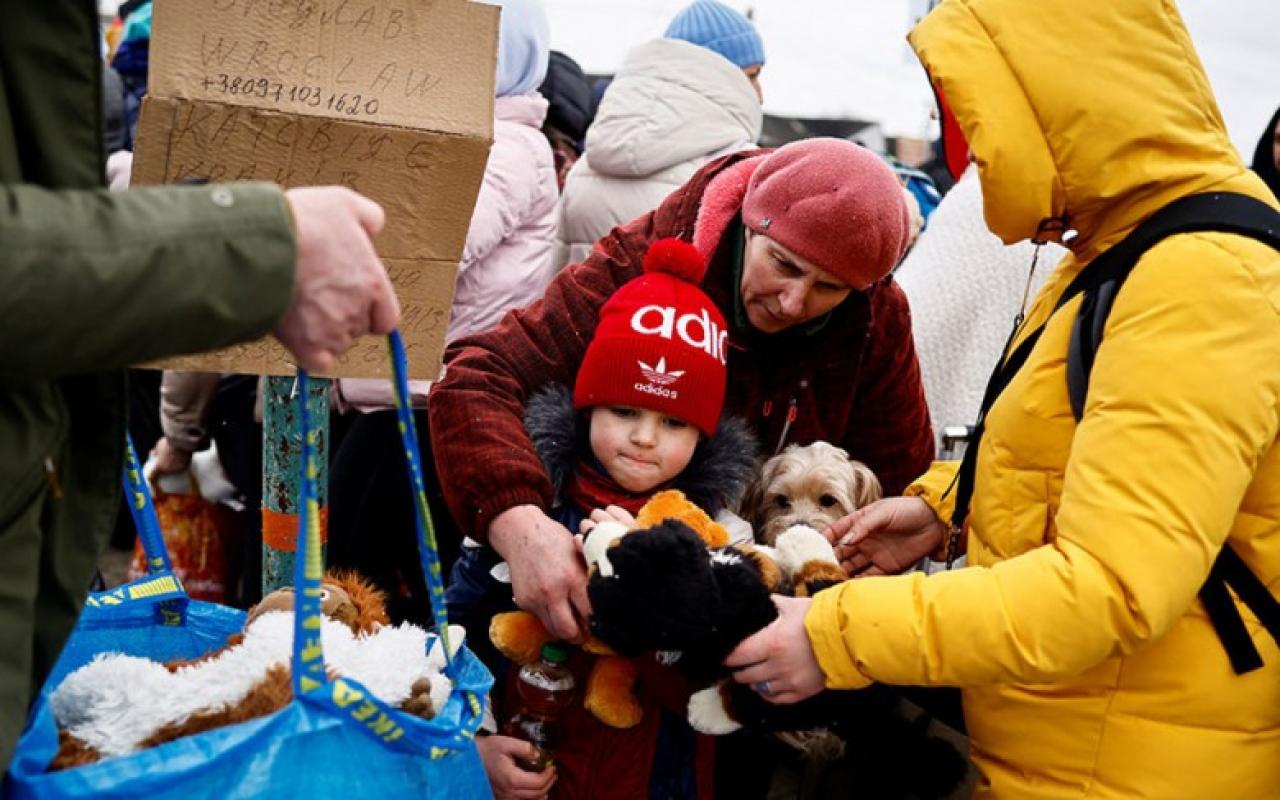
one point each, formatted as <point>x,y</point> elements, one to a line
<point>833,203</point>
<point>661,343</point>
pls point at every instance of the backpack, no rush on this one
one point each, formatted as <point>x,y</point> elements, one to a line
<point>1099,282</point>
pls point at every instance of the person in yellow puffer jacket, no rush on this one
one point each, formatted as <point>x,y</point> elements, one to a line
<point>1088,666</point>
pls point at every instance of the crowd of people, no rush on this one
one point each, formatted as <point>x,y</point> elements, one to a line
<point>1073,624</point>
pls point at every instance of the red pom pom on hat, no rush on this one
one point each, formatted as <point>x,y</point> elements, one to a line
<point>675,257</point>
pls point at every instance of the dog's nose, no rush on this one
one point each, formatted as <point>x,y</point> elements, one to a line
<point>818,523</point>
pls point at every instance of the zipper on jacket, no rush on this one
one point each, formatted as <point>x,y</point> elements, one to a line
<point>786,424</point>
<point>51,476</point>
<point>793,411</point>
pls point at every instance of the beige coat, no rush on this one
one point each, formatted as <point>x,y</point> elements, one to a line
<point>673,107</point>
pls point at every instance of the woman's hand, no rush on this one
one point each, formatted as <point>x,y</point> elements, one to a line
<point>548,578</point>
<point>508,780</point>
<point>886,537</point>
<point>777,660</point>
<point>610,514</point>
<point>170,459</point>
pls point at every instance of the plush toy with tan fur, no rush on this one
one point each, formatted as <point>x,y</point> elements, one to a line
<point>118,704</point>
<point>664,592</point>
<point>609,695</point>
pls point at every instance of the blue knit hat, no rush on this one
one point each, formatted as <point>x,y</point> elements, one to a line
<point>719,28</point>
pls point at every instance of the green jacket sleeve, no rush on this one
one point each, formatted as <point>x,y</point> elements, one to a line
<point>93,280</point>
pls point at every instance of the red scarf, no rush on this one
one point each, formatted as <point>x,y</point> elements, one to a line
<point>591,487</point>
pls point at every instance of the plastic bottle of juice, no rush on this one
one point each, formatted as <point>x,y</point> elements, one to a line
<point>545,689</point>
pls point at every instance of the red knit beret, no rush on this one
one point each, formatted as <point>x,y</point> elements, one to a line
<point>661,343</point>
<point>834,204</point>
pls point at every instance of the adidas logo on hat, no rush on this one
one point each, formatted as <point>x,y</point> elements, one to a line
<point>659,319</point>
<point>658,374</point>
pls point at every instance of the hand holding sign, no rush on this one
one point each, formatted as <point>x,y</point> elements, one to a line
<point>341,289</point>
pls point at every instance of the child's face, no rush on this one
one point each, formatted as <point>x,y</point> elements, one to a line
<point>641,449</point>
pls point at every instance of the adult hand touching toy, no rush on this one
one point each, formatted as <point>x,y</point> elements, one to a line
<point>777,661</point>
<point>548,578</point>
<point>886,537</point>
<point>341,290</point>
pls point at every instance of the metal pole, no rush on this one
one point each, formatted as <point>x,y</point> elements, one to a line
<point>282,455</point>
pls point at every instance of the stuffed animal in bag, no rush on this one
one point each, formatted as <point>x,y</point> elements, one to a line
<point>609,695</point>
<point>662,591</point>
<point>119,704</point>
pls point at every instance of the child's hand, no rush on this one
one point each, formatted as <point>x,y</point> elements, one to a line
<point>610,514</point>
<point>508,780</point>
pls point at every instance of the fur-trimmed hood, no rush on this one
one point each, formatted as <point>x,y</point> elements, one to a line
<point>715,478</point>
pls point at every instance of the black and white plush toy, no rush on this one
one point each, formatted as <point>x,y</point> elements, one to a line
<point>666,594</point>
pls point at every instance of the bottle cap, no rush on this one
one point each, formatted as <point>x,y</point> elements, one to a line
<point>555,652</point>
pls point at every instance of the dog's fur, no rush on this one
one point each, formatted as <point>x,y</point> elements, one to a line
<point>813,485</point>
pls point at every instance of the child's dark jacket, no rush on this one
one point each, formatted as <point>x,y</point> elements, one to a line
<point>662,756</point>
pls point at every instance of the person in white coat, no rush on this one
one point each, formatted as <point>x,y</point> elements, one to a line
<point>675,104</point>
<point>965,288</point>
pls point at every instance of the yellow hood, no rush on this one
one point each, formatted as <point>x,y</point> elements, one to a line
<point>1130,127</point>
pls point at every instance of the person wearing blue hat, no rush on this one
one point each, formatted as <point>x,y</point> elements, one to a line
<point>722,30</point>
<point>676,103</point>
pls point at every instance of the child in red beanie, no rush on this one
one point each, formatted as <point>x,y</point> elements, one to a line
<point>643,416</point>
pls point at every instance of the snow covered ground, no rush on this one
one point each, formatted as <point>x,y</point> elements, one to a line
<point>849,58</point>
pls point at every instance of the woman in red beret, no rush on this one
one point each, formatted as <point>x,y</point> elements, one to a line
<point>800,242</point>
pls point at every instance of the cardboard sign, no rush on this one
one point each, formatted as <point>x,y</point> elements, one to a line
<point>391,98</point>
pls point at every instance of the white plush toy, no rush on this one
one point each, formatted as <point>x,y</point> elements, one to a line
<point>118,704</point>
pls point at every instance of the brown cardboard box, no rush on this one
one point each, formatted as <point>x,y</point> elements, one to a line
<point>392,98</point>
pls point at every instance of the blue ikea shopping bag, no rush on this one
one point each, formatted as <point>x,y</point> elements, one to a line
<point>335,740</point>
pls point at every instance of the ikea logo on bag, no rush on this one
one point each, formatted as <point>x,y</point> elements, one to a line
<point>365,711</point>
<point>655,320</point>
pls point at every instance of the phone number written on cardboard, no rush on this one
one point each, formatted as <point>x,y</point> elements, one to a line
<point>311,96</point>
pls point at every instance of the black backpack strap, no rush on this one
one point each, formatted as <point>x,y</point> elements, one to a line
<point>1000,378</point>
<point>1215,211</point>
<point>1100,281</point>
<point>1229,570</point>
<point>1086,335</point>
<point>1223,212</point>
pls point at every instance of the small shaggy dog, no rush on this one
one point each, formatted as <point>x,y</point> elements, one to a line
<point>813,485</point>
